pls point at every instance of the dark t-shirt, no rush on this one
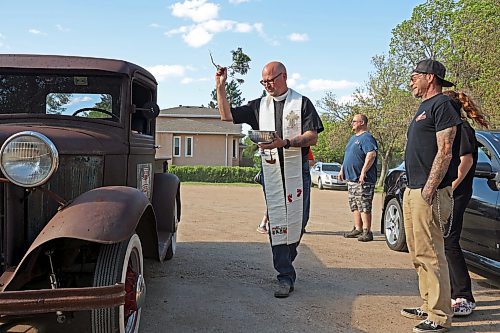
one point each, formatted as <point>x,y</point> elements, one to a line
<point>249,114</point>
<point>355,155</point>
<point>434,114</point>
<point>468,145</point>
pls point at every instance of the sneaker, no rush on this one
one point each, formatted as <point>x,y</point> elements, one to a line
<point>414,313</point>
<point>353,233</point>
<point>284,290</point>
<point>462,307</point>
<point>366,236</point>
<point>429,326</point>
<point>262,229</point>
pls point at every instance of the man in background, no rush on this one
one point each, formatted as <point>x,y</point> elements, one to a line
<point>359,169</point>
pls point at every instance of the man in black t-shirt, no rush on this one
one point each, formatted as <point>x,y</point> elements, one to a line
<point>431,161</point>
<point>287,181</point>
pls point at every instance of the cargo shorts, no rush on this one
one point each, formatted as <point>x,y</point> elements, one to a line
<point>360,196</point>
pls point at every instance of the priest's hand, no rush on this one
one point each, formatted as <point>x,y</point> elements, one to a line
<point>276,143</point>
<point>221,77</point>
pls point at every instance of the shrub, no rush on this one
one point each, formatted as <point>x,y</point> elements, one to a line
<point>214,174</point>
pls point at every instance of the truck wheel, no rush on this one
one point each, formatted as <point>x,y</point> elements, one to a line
<point>173,243</point>
<point>120,262</point>
<point>394,226</point>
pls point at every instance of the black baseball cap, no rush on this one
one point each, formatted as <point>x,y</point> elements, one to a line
<point>430,66</point>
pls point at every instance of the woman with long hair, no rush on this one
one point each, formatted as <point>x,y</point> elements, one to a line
<point>461,292</point>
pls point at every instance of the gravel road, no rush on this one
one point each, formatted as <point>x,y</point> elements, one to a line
<point>222,279</point>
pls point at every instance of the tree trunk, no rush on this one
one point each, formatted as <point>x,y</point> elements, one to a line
<point>385,160</point>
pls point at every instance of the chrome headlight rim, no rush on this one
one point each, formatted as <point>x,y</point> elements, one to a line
<point>53,152</point>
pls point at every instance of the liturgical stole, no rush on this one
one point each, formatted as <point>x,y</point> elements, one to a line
<point>284,197</point>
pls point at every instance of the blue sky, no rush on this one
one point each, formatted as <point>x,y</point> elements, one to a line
<point>325,45</point>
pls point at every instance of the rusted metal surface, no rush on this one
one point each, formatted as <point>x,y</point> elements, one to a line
<point>55,62</point>
<point>76,140</point>
<point>104,215</point>
<point>64,299</point>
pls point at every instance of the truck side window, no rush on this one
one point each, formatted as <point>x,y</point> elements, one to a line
<point>141,96</point>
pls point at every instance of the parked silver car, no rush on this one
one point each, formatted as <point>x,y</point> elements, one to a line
<point>325,175</point>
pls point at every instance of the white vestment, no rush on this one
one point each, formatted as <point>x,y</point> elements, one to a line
<point>284,203</point>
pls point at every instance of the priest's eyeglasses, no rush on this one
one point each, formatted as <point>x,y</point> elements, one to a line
<point>270,81</point>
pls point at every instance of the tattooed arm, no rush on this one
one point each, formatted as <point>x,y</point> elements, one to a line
<point>441,162</point>
<point>308,138</point>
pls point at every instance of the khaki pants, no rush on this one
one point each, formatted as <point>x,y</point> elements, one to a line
<point>426,246</point>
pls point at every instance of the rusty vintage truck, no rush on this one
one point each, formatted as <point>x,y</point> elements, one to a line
<point>81,203</point>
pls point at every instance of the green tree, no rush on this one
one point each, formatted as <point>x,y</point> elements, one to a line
<point>233,94</point>
<point>387,103</point>
<point>475,34</point>
<point>249,153</point>
<point>104,104</point>
<point>240,65</point>
<point>336,117</point>
<point>425,35</point>
<point>389,106</point>
<point>56,101</point>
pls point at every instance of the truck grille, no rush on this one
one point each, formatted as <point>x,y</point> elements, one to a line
<point>75,175</point>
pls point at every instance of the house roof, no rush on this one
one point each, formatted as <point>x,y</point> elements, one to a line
<point>190,112</point>
<point>195,119</point>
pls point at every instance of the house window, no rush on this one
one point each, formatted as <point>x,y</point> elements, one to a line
<point>177,146</point>
<point>188,152</point>
<point>235,148</point>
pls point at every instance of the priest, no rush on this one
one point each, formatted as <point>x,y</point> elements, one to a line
<point>286,178</point>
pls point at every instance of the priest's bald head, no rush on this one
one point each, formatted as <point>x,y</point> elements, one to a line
<point>274,78</point>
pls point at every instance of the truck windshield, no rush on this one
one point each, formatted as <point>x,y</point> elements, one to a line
<point>74,96</point>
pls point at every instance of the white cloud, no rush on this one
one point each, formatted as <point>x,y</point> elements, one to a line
<point>164,72</point>
<point>155,25</point>
<point>188,80</point>
<point>215,26</point>
<point>237,2</point>
<point>259,27</point>
<point>321,84</point>
<point>36,32</point>
<point>292,80</point>
<point>196,10</point>
<point>181,30</point>
<point>78,100</point>
<point>296,37</point>
<point>243,27</point>
<point>61,28</point>
<point>197,37</point>
<point>202,33</point>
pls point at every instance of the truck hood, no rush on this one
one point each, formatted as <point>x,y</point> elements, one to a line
<point>74,141</point>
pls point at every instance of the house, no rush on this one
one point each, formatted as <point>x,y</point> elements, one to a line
<point>193,135</point>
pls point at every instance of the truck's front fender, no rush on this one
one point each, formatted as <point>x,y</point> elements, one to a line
<point>103,215</point>
<point>165,195</point>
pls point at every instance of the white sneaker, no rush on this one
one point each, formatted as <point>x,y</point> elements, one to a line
<point>462,307</point>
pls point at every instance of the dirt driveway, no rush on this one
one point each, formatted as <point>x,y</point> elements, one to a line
<point>222,279</point>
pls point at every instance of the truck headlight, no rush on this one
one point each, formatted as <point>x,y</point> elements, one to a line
<point>28,159</point>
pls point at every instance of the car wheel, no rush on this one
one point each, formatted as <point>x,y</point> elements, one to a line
<point>173,242</point>
<point>120,263</point>
<point>320,184</point>
<point>394,226</point>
